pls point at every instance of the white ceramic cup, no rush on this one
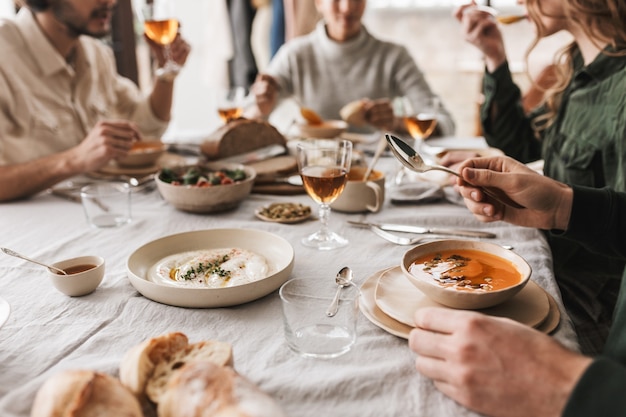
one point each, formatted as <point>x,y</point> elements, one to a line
<point>308,330</point>
<point>106,204</point>
<point>359,195</point>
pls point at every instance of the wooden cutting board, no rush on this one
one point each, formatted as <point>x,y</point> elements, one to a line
<point>279,167</point>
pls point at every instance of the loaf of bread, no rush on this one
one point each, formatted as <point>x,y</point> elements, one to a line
<point>202,389</point>
<point>240,136</point>
<point>83,393</point>
<point>146,368</point>
<point>353,113</point>
<point>138,363</point>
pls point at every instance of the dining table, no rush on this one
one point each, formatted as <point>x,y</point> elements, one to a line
<point>47,332</point>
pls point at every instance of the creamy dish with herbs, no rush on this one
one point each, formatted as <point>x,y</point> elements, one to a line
<point>212,268</point>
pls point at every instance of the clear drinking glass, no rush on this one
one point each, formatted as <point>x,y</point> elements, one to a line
<point>324,166</point>
<point>161,26</point>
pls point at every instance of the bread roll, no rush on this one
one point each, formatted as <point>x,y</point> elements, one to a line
<point>82,393</point>
<point>202,389</point>
<point>218,353</point>
<point>241,136</point>
<point>353,113</point>
<point>138,364</point>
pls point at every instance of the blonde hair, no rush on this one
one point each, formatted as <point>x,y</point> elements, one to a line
<point>603,21</point>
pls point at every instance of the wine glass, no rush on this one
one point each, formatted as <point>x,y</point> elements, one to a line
<point>161,27</point>
<point>420,123</point>
<point>324,166</point>
<point>230,104</point>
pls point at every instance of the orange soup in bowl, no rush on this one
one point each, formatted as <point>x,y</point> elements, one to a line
<point>467,269</point>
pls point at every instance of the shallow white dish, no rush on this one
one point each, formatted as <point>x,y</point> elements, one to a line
<point>5,311</point>
<point>277,251</point>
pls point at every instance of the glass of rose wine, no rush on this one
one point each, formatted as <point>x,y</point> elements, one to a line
<point>230,104</point>
<point>161,27</point>
<point>324,166</point>
<point>420,122</point>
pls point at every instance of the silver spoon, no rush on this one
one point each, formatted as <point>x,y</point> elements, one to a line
<point>17,255</point>
<point>343,279</point>
<point>412,160</point>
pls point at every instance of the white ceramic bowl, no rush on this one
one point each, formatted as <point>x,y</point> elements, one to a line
<point>143,154</point>
<point>278,253</point>
<point>209,199</point>
<point>464,299</point>
<point>81,283</point>
<point>327,129</point>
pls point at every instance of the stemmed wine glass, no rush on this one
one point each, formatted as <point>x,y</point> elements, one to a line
<point>160,26</point>
<point>420,122</point>
<point>231,104</point>
<point>324,166</point>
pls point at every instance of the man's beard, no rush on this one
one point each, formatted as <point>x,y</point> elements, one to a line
<point>76,26</point>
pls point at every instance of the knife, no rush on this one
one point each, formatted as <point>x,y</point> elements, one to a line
<point>260,154</point>
<point>423,230</point>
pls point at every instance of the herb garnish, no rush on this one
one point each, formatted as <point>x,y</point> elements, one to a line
<point>208,268</point>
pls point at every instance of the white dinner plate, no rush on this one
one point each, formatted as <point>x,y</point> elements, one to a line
<point>5,311</point>
<point>278,253</point>
<point>367,305</point>
<point>399,299</point>
<point>369,308</point>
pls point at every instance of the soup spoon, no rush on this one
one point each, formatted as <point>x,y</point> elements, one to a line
<point>343,279</point>
<point>17,255</point>
<point>412,160</point>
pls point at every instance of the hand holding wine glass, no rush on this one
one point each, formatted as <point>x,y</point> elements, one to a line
<point>161,27</point>
<point>324,166</point>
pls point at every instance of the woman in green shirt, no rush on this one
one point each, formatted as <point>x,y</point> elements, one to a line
<point>580,132</point>
<point>503,369</point>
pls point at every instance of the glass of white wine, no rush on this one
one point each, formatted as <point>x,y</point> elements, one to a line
<point>231,104</point>
<point>160,26</point>
<point>420,121</point>
<point>324,166</point>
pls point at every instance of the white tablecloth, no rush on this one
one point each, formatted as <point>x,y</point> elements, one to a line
<point>48,331</point>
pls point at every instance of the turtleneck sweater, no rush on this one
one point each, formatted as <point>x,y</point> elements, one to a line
<point>325,75</point>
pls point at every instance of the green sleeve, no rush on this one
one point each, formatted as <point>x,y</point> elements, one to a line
<point>505,125</point>
<point>600,392</point>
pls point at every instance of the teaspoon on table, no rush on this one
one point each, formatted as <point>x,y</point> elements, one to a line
<point>343,279</point>
<point>412,160</point>
<point>17,255</point>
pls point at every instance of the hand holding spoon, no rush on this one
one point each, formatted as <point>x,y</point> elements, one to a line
<point>343,279</point>
<point>412,160</point>
<point>17,255</point>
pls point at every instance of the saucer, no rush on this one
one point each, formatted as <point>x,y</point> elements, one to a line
<point>369,308</point>
<point>5,311</point>
<point>398,298</point>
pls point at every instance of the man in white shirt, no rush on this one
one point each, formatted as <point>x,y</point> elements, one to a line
<point>64,110</point>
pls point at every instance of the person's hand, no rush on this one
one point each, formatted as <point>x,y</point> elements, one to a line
<point>454,159</point>
<point>547,202</point>
<point>494,366</point>
<point>179,50</point>
<point>379,113</point>
<point>481,30</point>
<point>109,139</point>
<point>265,91</point>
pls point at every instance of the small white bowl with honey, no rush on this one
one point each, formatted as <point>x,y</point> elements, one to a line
<point>466,274</point>
<point>84,274</point>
